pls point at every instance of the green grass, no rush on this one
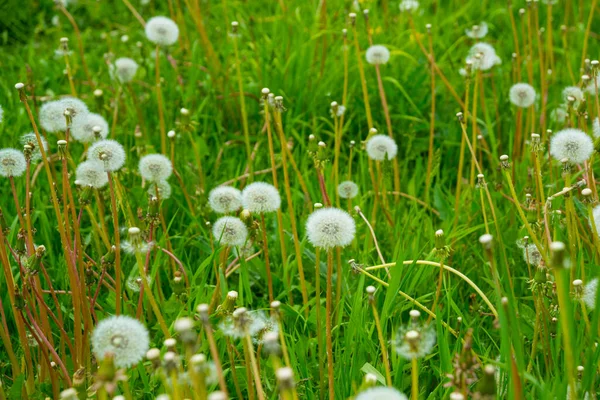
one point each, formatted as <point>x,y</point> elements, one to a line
<point>300,56</point>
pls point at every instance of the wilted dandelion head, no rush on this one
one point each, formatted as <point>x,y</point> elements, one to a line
<point>225,199</point>
<point>522,95</point>
<point>124,69</point>
<point>230,231</point>
<point>261,197</point>
<point>162,31</point>
<point>559,114</point>
<point>330,227</point>
<point>12,163</point>
<point>133,247</point>
<point>575,92</point>
<point>572,144</point>
<point>155,167</point>
<point>477,31</point>
<point>124,337</point>
<point>409,5</point>
<point>160,189</point>
<point>109,152</point>
<point>30,139</point>
<point>415,341</point>
<point>483,56</point>
<point>347,190</point>
<point>89,127</point>
<point>380,146</point>
<point>380,393</point>
<point>589,293</point>
<point>378,54</point>
<point>91,173</point>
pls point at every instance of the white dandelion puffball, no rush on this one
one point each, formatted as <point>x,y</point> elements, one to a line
<point>162,31</point>
<point>91,173</point>
<point>109,152</point>
<point>330,227</point>
<point>124,69</point>
<point>155,167</point>
<point>378,55</point>
<point>30,139</point>
<point>225,199</point>
<point>347,190</point>
<point>160,189</point>
<point>83,127</point>
<point>52,113</point>
<point>477,31</point>
<point>415,344</point>
<point>522,95</point>
<point>483,56</point>
<point>589,293</point>
<point>380,393</point>
<point>596,128</point>
<point>230,231</point>
<point>575,92</point>
<point>572,144</point>
<point>409,5</point>
<point>378,146</point>
<point>12,163</point>
<point>532,255</point>
<point>124,337</point>
<point>261,197</point>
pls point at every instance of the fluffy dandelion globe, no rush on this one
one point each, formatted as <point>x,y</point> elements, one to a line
<point>89,127</point>
<point>160,189</point>
<point>589,293</point>
<point>109,152</point>
<point>347,190</point>
<point>225,199</point>
<point>124,69</point>
<point>74,105</point>
<point>155,167</point>
<point>162,31</point>
<point>415,343</point>
<point>482,56</point>
<point>380,146</point>
<point>574,92</point>
<point>532,255</point>
<point>477,31</point>
<point>378,55</point>
<point>327,228</point>
<point>380,393</point>
<point>522,95</point>
<point>230,231</point>
<point>124,337</point>
<point>30,139</point>
<point>91,173</point>
<point>409,5</point>
<point>52,113</point>
<point>572,144</point>
<point>261,197</point>
<point>12,163</point>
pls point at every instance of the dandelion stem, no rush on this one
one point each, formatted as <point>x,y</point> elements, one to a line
<point>328,327</point>
<point>415,379</point>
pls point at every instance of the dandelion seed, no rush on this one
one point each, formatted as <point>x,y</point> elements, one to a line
<point>162,31</point>
<point>30,139</point>
<point>155,167</point>
<point>380,393</point>
<point>589,293</point>
<point>124,337</point>
<point>378,146</point>
<point>575,92</point>
<point>160,189</point>
<point>230,231</point>
<point>12,163</point>
<point>261,197</point>
<point>522,95</point>
<point>347,190</point>
<point>477,31</point>
<point>409,5</point>
<point>124,69</point>
<point>109,152</point>
<point>89,127</point>
<point>327,228</point>
<point>572,144</point>
<point>91,173</point>
<point>483,56</point>
<point>378,55</point>
<point>52,113</point>
<point>225,199</point>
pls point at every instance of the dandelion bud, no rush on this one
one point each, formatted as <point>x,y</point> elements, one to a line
<point>558,255</point>
<point>170,344</point>
<point>440,240</point>
<point>285,378</point>
<point>171,134</point>
<point>245,215</point>
<point>98,93</point>
<point>460,117</point>
<point>279,103</point>
<point>352,17</point>
<point>234,27</point>
<point>414,316</point>
<point>203,309</point>
<point>586,192</point>
<point>577,288</point>
<point>486,241</point>
<point>228,305</point>
<point>19,86</point>
<point>265,92</point>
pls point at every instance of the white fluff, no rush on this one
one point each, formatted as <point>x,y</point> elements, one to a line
<point>52,113</point>
<point>380,393</point>
<point>155,167</point>
<point>327,228</point>
<point>82,128</point>
<point>162,31</point>
<point>109,152</point>
<point>230,231</point>
<point>574,92</point>
<point>589,293</point>
<point>225,199</point>
<point>91,173</point>
<point>380,146</point>
<point>522,95</point>
<point>160,189</point>
<point>487,56</point>
<point>596,128</point>
<point>347,190</point>
<point>124,337</point>
<point>12,163</point>
<point>477,31</point>
<point>409,5</point>
<point>573,144</point>
<point>377,54</point>
<point>261,197</point>
<point>31,140</point>
<point>124,69</point>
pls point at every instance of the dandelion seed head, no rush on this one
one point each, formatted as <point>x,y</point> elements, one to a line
<point>52,113</point>
<point>162,31</point>
<point>575,92</point>
<point>330,227</point>
<point>532,255</point>
<point>262,326</point>
<point>378,54</point>
<point>30,139</point>
<point>160,189</point>
<point>124,337</point>
<point>380,146</point>
<point>380,393</point>
<point>483,56</point>
<point>477,31</point>
<point>409,5</point>
<point>261,197</point>
<point>124,69</point>
<point>230,231</point>
<point>155,167</point>
<point>522,95</point>
<point>572,144</point>
<point>85,128</point>
<point>589,293</point>
<point>91,173</point>
<point>415,342</point>
<point>108,152</point>
<point>134,247</point>
<point>347,190</point>
<point>225,199</point>
<point>243,322</point>
<point>12,163</point>
<point>134,283</point>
